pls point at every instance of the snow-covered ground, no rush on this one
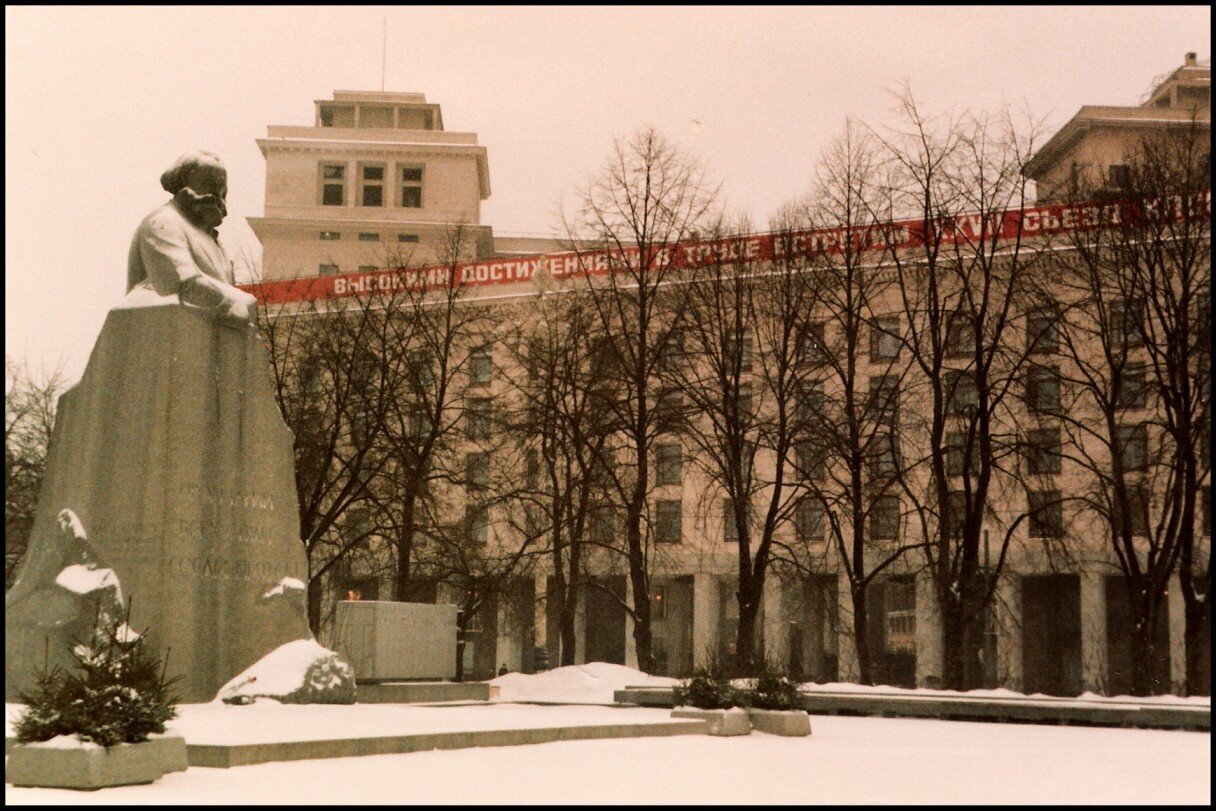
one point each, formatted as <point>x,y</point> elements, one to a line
<point>592,683</point>
<point>846,760</point>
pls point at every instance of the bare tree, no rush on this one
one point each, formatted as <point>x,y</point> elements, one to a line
<point>961,292</point>
<point>1137,335</point>
<point>562,425</point>
<point>851,388</point>
<point>647,199</point>
<point>29,420</point>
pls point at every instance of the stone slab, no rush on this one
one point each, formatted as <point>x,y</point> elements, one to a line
<point>423,692</point>
<point>791,724</point>
<point>965,708</point>
<point>386,640</point>
<point>95,767</point>
<point>172,453</point>
<point>722,723</point>
<point>226,756</point>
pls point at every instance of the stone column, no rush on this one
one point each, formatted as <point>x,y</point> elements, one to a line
<point>1009,632</point>
<point>928,634</point>
<point>846,650</point>
<point>1177,625</point>
<point>776,629</point>
<point>1093,632</point>
<point>509,639</point>
<point>631,645</point>
<point>705,610</point>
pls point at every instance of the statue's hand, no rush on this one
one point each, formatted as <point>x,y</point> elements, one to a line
<point>240,308</point>
<point>230,306</point>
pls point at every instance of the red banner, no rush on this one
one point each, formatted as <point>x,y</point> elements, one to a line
<point>1037,221</point>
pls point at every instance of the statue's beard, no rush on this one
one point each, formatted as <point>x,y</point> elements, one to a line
<point>206,211</point>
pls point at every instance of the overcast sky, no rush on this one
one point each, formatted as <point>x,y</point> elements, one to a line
<point>99,101</point>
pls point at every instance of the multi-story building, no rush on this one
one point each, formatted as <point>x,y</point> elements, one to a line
<point>378,172</point>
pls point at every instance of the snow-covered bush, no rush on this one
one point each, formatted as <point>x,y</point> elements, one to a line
<point>773,692</point>
<point>707,691</point>
<point>116,692</point>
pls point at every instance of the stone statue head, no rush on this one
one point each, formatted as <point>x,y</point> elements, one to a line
<point>198,182</point>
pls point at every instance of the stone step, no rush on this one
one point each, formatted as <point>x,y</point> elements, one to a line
<point>423,692</point>
<point>224,756</point>
<point>1027,709</point>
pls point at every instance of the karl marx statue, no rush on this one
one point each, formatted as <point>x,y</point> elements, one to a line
<point>176,249</point>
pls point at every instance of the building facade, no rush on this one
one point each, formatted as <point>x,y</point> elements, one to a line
<point>377,183</point>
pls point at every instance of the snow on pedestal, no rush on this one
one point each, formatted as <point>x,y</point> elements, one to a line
<point>300,672</point>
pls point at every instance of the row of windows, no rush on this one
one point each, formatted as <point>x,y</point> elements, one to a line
<point>371,179</point>
<point>1046,517</point>
<point>366,236</point>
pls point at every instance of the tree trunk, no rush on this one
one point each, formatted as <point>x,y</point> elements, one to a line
<point>405,543</point>
<point>567,631</point>
<point>861,639</point>
<point>954,648</point>
<point>746,659</point>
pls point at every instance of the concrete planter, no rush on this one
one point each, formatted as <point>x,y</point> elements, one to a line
<point>721,722</point>
<point>791,723</point>
<point>83,766</point>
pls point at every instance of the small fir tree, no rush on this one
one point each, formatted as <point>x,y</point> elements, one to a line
<point>117,692</point>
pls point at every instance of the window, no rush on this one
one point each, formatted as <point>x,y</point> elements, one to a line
<point>809,403</point>
<point>884,460</point>
<point>957,456</point>
<point>1042,389</point>
<point>420,369</point>
<point>411,187</point>
<point>367,268</point>
<point>1043,450</point>
<point>477,471</point>
<point>1131,443</point>
<point>1046,514</point>
<point>668,519</point>
<point>531,469</point>
<point>668,461</point>
<point>745,402</point>
<point>327,269</point>
<point>371,186</point>
<point>331,235</point>
<point>1132,387</point>
<point>333,184</point>
<point>407,237</point>
<point>884,338</point>
<point>884,518</point>
<point>369,237</point>
<point>961,394</point>
<point>1137,511</point>
<point>477,524</point>
<point>810,459</point>
<point>420,421</point>
<point>957,501</point>
<point>481,368</point>
<point>884,399</point>
<point>603,467</point>
<point>812,346</point>
<point>960,336</point>
<point>1043,330</point>
<point>730,530</point>
<point>1119,177</point>
<point>1124,324</point>
<point>900,598</point>
<point>338,115</point>
<point>739,348</point>
<point>602,525</point>
<point>673,351</point>
<point>477,416</point>
<point>808,520</point>
<point>658,602</point>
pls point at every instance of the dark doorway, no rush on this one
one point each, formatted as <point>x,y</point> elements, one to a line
<point>1051,634</point>
<point>1118,641</point>
<point>891,629</point>
<point>605,620</point>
